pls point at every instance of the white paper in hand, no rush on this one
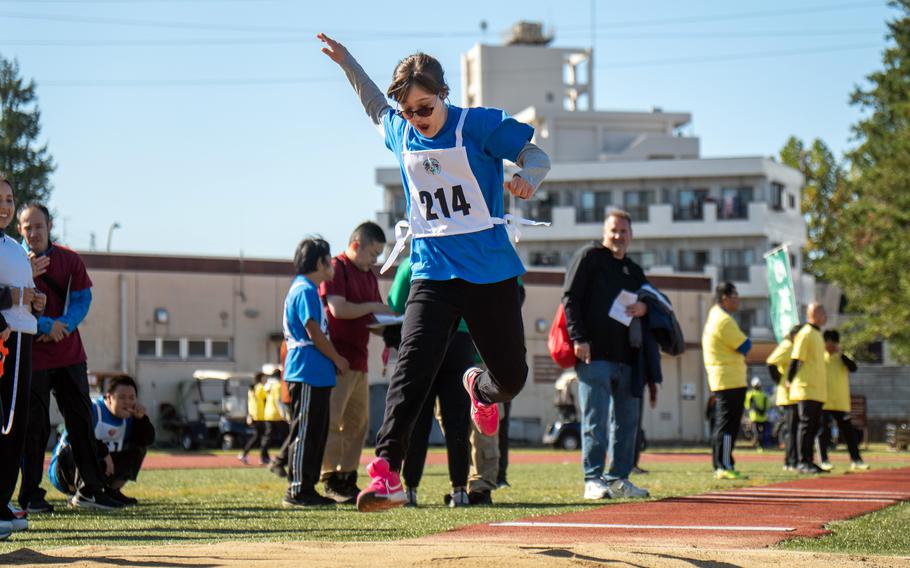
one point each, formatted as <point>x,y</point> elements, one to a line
<point>618,310</point>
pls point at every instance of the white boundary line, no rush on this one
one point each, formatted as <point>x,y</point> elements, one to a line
<point>662,527</point>
<point>831,491</point>
<point>793,498</point>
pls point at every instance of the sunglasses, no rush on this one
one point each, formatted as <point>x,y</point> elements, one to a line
<point>422,112</point>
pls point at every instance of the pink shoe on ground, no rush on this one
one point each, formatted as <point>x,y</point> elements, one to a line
<point>384,491</point>
<point>485,416</point>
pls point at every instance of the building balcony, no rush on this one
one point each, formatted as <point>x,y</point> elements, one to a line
<point>757,221</point>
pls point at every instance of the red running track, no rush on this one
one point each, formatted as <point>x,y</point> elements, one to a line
<point>747,517</point>
<point>201,460</point>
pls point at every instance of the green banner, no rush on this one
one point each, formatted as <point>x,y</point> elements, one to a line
<point>784,314</point>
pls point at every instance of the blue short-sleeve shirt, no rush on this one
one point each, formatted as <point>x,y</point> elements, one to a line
<point>490,135</point>
<point>304,362</point>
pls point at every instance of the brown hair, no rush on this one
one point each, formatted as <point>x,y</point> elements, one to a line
<point>420,70</point>
<point>619,214</point>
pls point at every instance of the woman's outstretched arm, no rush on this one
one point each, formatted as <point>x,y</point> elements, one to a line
<point>372,99</point>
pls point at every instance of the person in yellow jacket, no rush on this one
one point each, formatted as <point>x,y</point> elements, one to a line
<point>255,403</point>
<point>837,407</point>
<point>724,347</point>
<point>778,365</point>
<point>757,403</point>
<point>807,380</point>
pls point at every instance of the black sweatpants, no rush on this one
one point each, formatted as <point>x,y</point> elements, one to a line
<point>493,315</point>
<point>455,409</point>
<point>728,415</point>
<point>12,443</point>
<point>847,434</point>
<point>70,387</point>
<point>505,413</point>
<point>294,392</point>
<point>791,427</point>
<point>810,417</point>
<point>307,449</point>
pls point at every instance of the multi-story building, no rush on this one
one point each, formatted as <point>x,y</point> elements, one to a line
<point>692,215</point>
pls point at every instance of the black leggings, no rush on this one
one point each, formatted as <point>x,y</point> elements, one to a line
<point>493,315</point>
<point>454,408</point>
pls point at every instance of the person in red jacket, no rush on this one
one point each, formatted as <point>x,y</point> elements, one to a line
<point>59,365</point>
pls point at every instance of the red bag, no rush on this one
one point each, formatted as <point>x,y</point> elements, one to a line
<point>562,349</point>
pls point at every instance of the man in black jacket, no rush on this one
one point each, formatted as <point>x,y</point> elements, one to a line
<point>597,277</point>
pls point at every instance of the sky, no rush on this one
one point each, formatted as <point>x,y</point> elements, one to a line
<point>217,127</point>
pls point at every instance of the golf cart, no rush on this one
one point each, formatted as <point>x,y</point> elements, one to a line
<point>565,433</point>
<point>211,410</point>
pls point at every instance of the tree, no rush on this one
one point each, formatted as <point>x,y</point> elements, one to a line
<point>874,270</point>
<point>824,195</point>
<point>26,162</point>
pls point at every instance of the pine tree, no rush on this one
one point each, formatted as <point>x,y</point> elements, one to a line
<point>27,163</point>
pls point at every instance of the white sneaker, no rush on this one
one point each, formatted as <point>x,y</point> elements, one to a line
<point>826,466</point>
<point>623,488</point>
<point>860,465</point>
<point>596,489</point>
<point>19,522</point>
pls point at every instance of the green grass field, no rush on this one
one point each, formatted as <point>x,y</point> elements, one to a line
<point>198,506</point>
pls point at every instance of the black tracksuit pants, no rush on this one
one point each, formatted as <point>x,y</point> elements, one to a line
<point>12,443</point>
<point>728,415</point>
<point>308,447</point>
<point>493,315</point>
<point>847,434</point>
<point>791,427</point>
<point>294,392</point>
<point>810,418</point>
<point>455,410</point>
<point>70,387</point>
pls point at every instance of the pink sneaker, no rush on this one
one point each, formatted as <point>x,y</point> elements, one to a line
<point>485,416</point>
<point>384,491</point>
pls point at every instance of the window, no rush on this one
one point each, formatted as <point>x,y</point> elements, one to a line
<point>147,348</point>
<point>544,258</point>
<point>540,206</point>
<point>689,205</point>
<point>221,349</point>
<point>645,259</point>
<point>693,260</point>
<point>170,348</point>
<point>593,207</point>
<point>181,348</point>
<point>399,206</point>
<point>745,319</point>
<point>791,201</point>
<point>734,203</point>
<point>777,196</point>
<point>873,353</point>
<point>636,203</point>
<point>736,263</point>
<point>196,349</point>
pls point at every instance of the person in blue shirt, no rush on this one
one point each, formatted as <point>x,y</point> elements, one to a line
<point>123,433</point>
<point>312,362</point>
<point>463,263</point>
